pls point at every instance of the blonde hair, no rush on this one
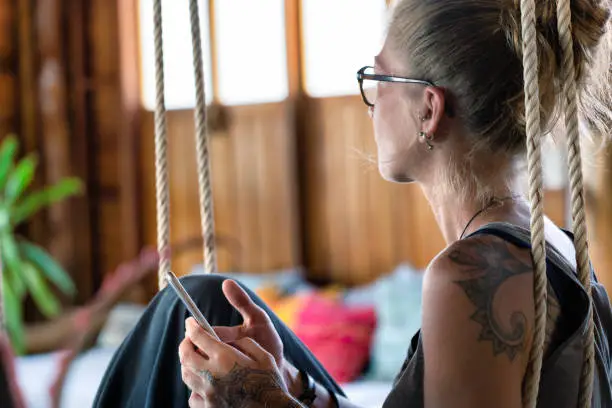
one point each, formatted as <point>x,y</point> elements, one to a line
<point>481,70</point>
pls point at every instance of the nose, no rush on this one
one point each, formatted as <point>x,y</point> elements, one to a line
<point>371,112</point>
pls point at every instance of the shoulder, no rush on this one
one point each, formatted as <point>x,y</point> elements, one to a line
<point>481,255</point>
<point>477,322</point>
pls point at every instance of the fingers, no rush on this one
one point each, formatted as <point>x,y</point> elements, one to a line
<point>221,356</point>
<point>193,381</point>
<point>243,302</point>
<point>189,357</point>
<point>204,341</point>
<point>229,334</point>
<point>253,350</point>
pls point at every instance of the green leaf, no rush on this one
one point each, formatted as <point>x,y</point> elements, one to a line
<point>8,149</point>
<point>13,316</point>
<point>43,296</point>
<point>32,203</point>
<point>48,266</point>
<point>12,263</point>
<point>20,179</point>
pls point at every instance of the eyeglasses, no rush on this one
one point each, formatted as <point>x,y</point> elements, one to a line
<point>368,83</point>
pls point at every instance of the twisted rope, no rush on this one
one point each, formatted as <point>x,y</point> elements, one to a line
<point>162,189</point>
<point>538,249</point>
<point>564,24</point>
<point>201,138</point>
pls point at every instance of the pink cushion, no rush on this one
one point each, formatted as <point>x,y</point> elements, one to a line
<point>338,335</point>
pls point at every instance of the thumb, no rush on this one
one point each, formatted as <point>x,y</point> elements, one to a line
<point>243,303</point>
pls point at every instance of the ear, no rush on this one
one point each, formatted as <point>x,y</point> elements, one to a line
<point>434,103</point>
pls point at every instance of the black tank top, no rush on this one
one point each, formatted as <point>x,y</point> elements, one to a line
<point>559,382</point>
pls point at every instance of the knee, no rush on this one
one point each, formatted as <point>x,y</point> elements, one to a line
<point>203,286</point>
<point>207,293</point>
<point>199,287</point>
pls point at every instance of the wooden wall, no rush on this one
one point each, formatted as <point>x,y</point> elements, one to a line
<point>253,175</point>
<point>360,226</point>
<point>113,58</point>
<point>599,217</point>
<point>65,93</point>
<point>354,226</point>
<point>8,66</point>
<point>292,182</point>
<point>48,101</point>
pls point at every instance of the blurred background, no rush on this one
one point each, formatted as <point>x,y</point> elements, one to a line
<point>297,194</point>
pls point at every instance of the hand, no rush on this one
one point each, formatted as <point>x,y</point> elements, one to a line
<point>240,374</point>
<point>256,322</point>
<point>257,326</point>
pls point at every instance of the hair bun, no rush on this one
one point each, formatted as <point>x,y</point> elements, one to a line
<point>589,23</point>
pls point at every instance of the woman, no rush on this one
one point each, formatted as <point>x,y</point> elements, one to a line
<point>448,114</point>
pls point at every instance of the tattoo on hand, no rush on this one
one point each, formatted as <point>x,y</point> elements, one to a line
<point>492,264</point>
<point>246,387</point>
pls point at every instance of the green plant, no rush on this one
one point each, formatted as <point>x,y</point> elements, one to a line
<point>27,268</point>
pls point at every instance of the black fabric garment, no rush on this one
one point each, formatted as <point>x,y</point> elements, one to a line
<point>6,393</point>
<point>145,372</point>
<point>559,383</point>
<point>10,395</point>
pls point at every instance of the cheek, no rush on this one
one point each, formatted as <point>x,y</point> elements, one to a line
<point>394,133</point>
<point>396,140</point>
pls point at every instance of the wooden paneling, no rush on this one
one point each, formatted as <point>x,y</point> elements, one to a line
<point>599,205</point>
<point>77,110</point>
<point>360,226</point>
<point>129,124</point>
<point>253,184</point>
<point>8,79</point>
<point>293,29</point>
<point>115,100</point>
<point>53,118</point>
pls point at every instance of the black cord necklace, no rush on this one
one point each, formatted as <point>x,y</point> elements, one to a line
<point>494,201</point>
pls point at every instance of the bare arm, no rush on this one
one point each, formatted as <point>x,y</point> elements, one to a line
<point>323,399</point>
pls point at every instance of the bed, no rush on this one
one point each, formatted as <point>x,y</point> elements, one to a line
<point>394,298</point>
<point>35,374</point>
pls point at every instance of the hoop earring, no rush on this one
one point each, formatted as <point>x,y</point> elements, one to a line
<point>428,139</point>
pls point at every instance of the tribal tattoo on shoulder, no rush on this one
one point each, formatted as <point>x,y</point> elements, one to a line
<point>245,387</point>
<point>492,264</point>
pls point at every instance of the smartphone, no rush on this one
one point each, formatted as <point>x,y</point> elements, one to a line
<point>189,303</point>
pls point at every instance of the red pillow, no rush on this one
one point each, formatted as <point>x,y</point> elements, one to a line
<point>338,335</point>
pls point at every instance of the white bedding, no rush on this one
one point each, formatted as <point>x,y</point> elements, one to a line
<point>367,394</point>
<point>35,374</point>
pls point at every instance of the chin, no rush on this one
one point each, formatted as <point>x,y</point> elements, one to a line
<point>394,175</point>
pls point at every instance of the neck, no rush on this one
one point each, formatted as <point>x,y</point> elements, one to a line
<point>453,215</point>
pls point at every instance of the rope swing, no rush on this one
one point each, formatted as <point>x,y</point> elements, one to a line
<point>534,161</point>
<point>161,148</point>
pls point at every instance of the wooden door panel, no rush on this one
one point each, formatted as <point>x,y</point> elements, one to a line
<point>253,188</point>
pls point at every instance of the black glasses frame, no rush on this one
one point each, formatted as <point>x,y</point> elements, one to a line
<point>361,75</point>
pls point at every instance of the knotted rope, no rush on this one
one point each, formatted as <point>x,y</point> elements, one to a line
<point>161,148</point>
<point>162,188</point>
<point>570,100</point>
<point>534,163</point>
<point>202,152</point>
<point>532,107</point>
